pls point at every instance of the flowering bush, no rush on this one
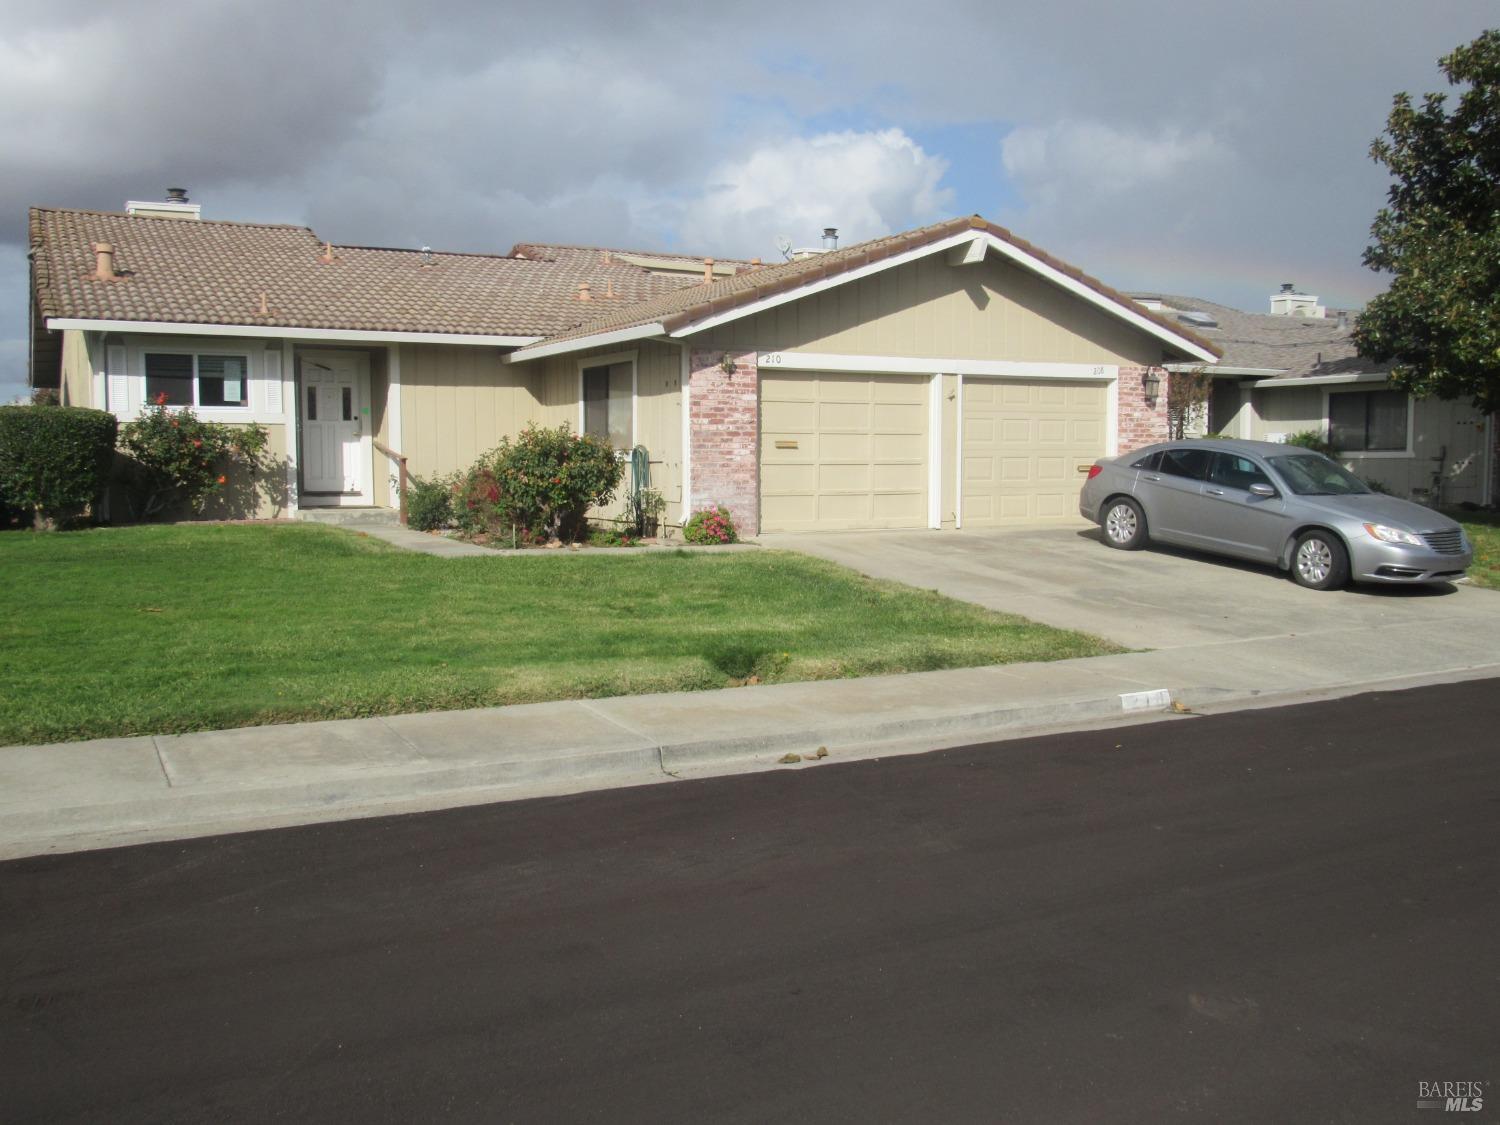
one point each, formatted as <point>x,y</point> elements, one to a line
<point>712,525</point>
<point>429,503</point>
<point>181,459</point>
<point>542,482</point>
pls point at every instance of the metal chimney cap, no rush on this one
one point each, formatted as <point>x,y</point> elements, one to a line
<point>1288,286</point>
<point>177,195</point>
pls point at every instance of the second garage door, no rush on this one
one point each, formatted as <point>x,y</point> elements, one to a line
<point>1023,444</point>
<point>843,451</point>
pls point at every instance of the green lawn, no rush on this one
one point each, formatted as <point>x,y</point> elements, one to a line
<point>162,629</point>
<point>1484,533</point>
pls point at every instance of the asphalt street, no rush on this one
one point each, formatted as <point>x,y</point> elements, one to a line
<point>1275,915</point>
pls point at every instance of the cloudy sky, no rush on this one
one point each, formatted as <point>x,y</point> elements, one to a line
<point>1212,147</point>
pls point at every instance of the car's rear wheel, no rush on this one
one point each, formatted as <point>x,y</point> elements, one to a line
<point>1124,524</point>
<point>1319,561</point>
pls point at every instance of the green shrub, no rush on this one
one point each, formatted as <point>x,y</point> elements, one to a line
<point>181,459</point>
<point>542,482</point>
<point>54,460</point>
<point>1315,440</point>
<point>429,503</point>
<point>712,525</point>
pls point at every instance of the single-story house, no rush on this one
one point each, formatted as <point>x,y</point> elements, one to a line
<point>945,377</point>
<point>1296,369</point>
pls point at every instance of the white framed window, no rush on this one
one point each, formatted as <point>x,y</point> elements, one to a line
<point>606,399</point>
<point>1370,422</point>
<point>210,380</point>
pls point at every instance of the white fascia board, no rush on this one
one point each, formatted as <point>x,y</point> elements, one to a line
<point>342,335</point>
<point>1324,380</point>
<point>1013,253</point>
<point>1219,370</point>
<point>903,365</point>
<point>599,339</point>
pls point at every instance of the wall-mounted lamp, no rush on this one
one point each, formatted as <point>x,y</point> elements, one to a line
<point>1151,385</point>
<point>726,365</point>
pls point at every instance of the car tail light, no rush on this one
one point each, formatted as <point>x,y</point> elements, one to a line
<point>1095,470</point>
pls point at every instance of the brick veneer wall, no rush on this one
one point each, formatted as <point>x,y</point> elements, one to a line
<point>1141,421</point>
<point>724,428</point>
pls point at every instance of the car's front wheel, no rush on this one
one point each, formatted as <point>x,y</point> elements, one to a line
<point>1319,561</point>
<point>1124,524</point>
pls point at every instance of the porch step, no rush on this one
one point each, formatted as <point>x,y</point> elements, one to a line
<point>352,517</point>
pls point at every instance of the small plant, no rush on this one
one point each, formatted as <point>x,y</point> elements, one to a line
<point>711,526</point>
<point>54,460</point>
<point>180,459</point>
<point>1316,440</point>
<point>429,503</point>
<point>612,537</point>
<point>649,505</point>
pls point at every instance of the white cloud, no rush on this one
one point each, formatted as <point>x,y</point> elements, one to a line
<point>865,183</point>
<point>1090,158</point>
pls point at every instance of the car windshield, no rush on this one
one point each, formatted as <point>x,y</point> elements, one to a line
<point>1311,474</point>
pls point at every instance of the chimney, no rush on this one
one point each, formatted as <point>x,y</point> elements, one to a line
<point>708,271</point>
<point>583,291</point>
<point>830,238</point>
<point>104,261</point>
<point>175,206</point>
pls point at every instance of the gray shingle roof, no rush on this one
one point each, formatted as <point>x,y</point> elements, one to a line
<point>1292,346</point>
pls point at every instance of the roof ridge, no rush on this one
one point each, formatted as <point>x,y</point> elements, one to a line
<point>637,253</point>
<point>167,219</point>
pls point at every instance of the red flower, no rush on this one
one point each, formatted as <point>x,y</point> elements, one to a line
<point>222,479</point>
<point>161,398</point>
<point>197,443</point>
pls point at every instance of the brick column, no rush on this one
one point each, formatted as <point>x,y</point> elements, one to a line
<point>1141,421</point>
<point>724,432</point>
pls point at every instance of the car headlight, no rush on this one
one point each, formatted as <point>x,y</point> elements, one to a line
<point>1393,535</point>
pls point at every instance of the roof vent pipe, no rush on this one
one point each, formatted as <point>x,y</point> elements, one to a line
<point>708,271</point>
<point>104,261</point>
<point>830,238</point>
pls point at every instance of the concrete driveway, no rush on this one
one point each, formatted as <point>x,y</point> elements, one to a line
<point>1158,598</point>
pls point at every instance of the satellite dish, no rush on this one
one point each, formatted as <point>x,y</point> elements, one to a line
<point>784,244</point>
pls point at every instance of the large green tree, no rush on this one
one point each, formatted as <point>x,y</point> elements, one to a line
<point>1439,236</point>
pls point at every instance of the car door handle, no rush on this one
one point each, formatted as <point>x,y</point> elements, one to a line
<point>1214,491</point>
<point>1153,478</point>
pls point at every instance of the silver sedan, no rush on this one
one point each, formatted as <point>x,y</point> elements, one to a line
<point>1277,504</point>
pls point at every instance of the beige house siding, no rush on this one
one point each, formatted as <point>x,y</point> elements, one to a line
<point>77,384</point>
<point>1286,411</point>
<point>263,498</point>
<point>928,308</point>
<point>457,402</point>
<point>658,405</point>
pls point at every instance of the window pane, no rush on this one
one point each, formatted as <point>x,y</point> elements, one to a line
<point>1192,463</point>
<point>346,400</point>
<point>1149,462</point>
<point>1233,471</point>
<point>169,378</point>
<point>312,404</point>
<point>1387,420</point>
<point>621,391</point>
<point>221,380</point>
<point>596,402</point>
<point>1346,420</point>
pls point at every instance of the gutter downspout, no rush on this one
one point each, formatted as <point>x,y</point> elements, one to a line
<point>684,385</point>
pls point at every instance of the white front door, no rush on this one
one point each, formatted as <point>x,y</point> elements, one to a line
<point>333,422</point>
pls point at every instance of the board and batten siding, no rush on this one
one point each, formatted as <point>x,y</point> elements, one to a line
<point>77,383</point>
<point>457,402</point>
<point>929,308</point>
<point>658,405</point>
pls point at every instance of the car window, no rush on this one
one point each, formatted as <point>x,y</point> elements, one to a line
<point>1312,474</point>
<point>1233,471</point>
<point>1191,463</point>
<point>1148,462</point>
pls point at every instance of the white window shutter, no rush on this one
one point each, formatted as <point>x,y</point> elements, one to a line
<point>119,385</point>
<point>273,382</point>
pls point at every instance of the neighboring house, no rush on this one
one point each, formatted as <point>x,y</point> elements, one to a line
<point>950,376</point>
<point>1296,369</point>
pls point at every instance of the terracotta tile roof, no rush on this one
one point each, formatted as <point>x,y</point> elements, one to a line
<point>1287,345</point>
<point>681,308</point>
<point>210,272</point>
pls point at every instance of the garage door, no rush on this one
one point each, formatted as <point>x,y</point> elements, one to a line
<point>843,451</point>
<point>1024,441</point>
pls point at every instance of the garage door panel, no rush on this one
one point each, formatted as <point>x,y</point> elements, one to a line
<point>862,456</point>
<point>1023,443</point>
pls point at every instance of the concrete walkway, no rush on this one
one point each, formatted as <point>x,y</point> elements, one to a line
<point>73,796</point>
<point>424,543</point>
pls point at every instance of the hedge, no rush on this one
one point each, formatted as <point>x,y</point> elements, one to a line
<point>54,460</point>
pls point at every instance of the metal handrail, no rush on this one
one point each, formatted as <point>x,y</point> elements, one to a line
<point>400,459</point>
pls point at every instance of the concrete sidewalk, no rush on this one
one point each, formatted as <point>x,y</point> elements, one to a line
<point>74,796</point>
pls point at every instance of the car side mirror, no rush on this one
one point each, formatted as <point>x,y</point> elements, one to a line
<point>1261,489</point>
